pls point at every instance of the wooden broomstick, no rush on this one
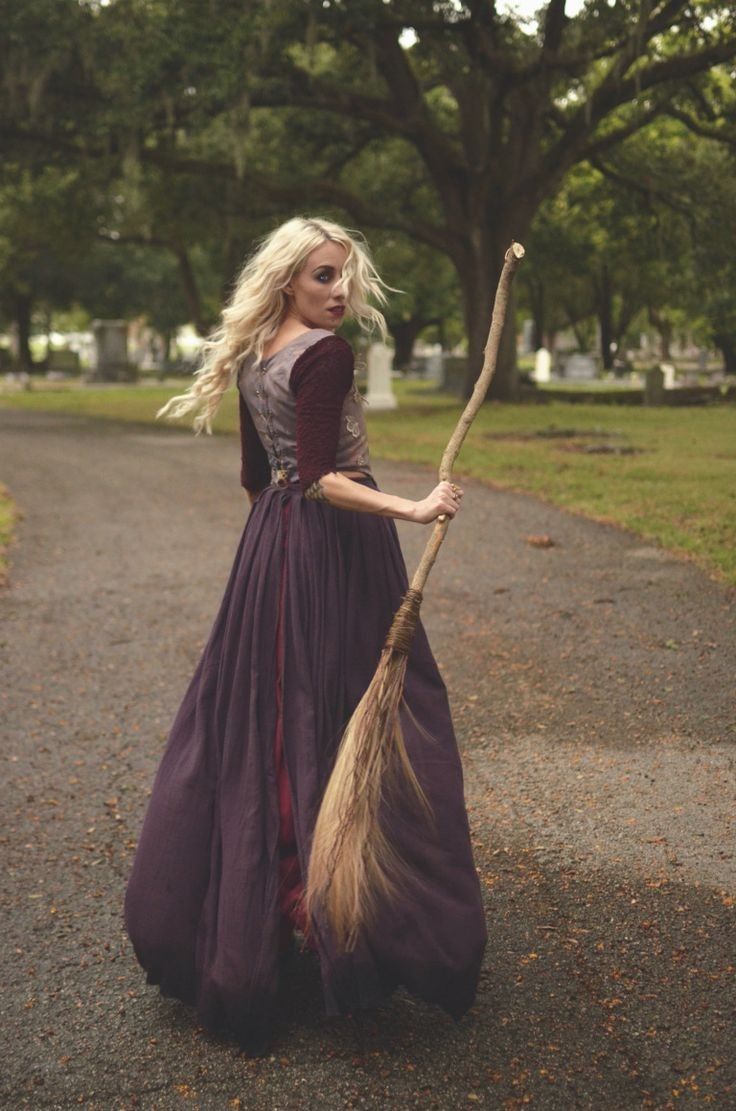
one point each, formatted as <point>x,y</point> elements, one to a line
<point>353,865</point>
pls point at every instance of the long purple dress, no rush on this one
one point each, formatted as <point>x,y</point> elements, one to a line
<point>306,609</point>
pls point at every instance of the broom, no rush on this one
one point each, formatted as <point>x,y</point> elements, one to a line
<point>353,865</point>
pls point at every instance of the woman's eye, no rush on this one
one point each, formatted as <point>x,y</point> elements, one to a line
<point>321,276</point>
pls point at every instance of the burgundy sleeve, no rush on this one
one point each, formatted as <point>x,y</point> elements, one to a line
<point>321,379</point>
<point>255,470</point>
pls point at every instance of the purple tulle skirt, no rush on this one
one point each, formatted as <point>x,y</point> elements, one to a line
<point>202,904</point>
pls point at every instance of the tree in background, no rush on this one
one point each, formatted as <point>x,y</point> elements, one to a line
<point>488,111</point>
<point>430,301</point>
<point>46,228</point>
<point>607,252</point>
<point>640,234</point>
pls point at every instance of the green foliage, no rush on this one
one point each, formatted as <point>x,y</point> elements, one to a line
<point>8,517</point>
<point>47,222</point>
<point>208,123</point>
<point>644,226</point>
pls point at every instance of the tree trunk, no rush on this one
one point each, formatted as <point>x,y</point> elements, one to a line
<point>664,329</point>
<point>405,334</point>
<point>578,330</point>
<point>538,331</point>
<point>49,349</point>
<point>537,308</point>
<point>605,318</point>
<point>626,314</point>
<point>479,285</point>
<point>727,346</point>
<point>23,307</point>
<point>191,292</point>
<point>665,341</point>
<point>168,338</point>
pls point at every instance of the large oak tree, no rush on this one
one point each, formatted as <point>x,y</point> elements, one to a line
<point>491,111</point>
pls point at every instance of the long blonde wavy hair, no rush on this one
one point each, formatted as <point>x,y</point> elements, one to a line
<point>258,304</point>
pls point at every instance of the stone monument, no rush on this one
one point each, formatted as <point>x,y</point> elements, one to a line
<point>542,365</point>
<point>380,393</point>
<point>654,386</point>
<point>434,370</point>
<point>581,368</point>
<point>109,361</point>
<point>668,371</point>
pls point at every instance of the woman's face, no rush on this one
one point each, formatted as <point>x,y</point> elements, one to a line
<point>316,297</point>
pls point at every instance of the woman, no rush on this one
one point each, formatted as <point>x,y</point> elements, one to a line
<point>216,884</point>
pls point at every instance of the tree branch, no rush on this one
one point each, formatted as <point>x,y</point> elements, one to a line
<point>719,134</point>
<point>434,235</point>
<point>635,185</point>
<point>555,22</point>
<point>403,114</point>
<point>557,61</point>
<point>618,134</point>
<point>615,90</point>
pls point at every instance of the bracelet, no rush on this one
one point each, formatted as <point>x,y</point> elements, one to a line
<point>315,491</point>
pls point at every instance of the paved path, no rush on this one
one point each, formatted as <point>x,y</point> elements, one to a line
<point>592,687</point>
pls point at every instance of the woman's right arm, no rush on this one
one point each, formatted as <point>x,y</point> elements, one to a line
<point>344,493</point>
<point>321,378</point>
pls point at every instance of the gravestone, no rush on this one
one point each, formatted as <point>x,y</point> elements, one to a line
<point>433,368</point>
<point>109,360</point>
<point>668,375</point>
<point>527,337</point>
<point>380,393</point>
<point>654,387</point>
<point>580,368</point>
<point>542,365</point>
<point>64,360</point>
<point>454,370</point>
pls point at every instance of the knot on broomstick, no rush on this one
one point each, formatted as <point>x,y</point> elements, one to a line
<point>405,622</point>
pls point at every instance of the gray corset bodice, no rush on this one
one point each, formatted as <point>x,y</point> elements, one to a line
<point>265,389</point>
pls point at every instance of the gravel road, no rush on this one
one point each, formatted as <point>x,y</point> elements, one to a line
<point>592,685</point>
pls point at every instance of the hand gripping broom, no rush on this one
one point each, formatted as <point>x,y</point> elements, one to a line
<point>353,865</point>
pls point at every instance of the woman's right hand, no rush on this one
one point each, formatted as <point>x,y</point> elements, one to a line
<point>445,498</point>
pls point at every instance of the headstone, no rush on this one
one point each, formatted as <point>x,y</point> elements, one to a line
<point>64,360</point>
<point>654,387</point>
<point>433,369</point>
<point>20,378</point>
<point>542,365</point>
<point>527,337</point>
<point>454,372</point>
<point>109,362</point>
<point>380,394</point>
<point>668,375</point>
<point>580,368</point>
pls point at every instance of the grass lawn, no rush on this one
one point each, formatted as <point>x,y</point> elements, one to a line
<point>8,515</point>
<point>668,474</point>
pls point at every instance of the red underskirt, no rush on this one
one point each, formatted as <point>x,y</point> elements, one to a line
<point>291,889</point>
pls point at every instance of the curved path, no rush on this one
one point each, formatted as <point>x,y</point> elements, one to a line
<point>592,685</point>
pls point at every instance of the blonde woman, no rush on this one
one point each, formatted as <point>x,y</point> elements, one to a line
<point>217,881</point>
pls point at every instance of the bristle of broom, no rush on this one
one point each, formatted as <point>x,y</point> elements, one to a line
<point>352,865</point>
